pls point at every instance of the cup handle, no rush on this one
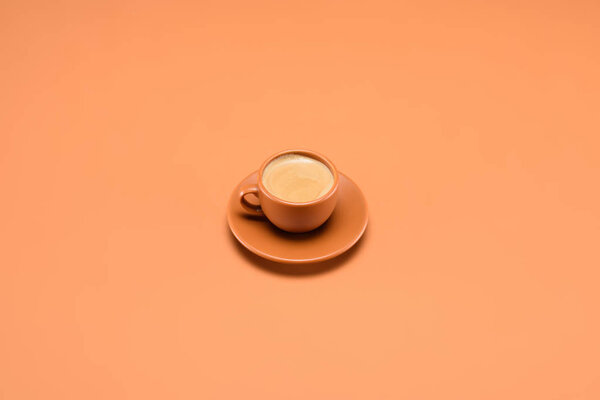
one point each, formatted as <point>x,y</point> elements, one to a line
<point>250,208</point>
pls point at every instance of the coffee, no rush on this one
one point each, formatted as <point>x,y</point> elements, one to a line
<point>297,178</point>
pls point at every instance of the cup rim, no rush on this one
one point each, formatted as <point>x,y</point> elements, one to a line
<point>305,152</point>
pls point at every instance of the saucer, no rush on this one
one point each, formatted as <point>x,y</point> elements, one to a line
<point>339,233</point>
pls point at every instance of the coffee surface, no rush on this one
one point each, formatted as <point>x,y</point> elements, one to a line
<point>297,178</point>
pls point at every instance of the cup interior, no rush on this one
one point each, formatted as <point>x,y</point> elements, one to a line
<point>306,153</point>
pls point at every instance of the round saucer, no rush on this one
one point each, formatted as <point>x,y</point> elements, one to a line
<point>341,231</point>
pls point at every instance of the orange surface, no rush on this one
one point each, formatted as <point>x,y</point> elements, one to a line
<point>471,126</point>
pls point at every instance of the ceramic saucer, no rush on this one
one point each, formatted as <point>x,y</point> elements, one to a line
<point>341,231</point>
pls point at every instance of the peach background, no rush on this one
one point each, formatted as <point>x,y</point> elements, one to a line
<point>471,126</point>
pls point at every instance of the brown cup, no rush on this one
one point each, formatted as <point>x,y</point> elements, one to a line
<point>286,215</point>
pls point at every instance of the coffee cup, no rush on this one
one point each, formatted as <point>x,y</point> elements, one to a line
<point>296,189</point>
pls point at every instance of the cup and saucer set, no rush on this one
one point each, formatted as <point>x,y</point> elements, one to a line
<point>297,209</point>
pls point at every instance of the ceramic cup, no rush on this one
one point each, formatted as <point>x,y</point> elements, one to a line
<point>286,215</point>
